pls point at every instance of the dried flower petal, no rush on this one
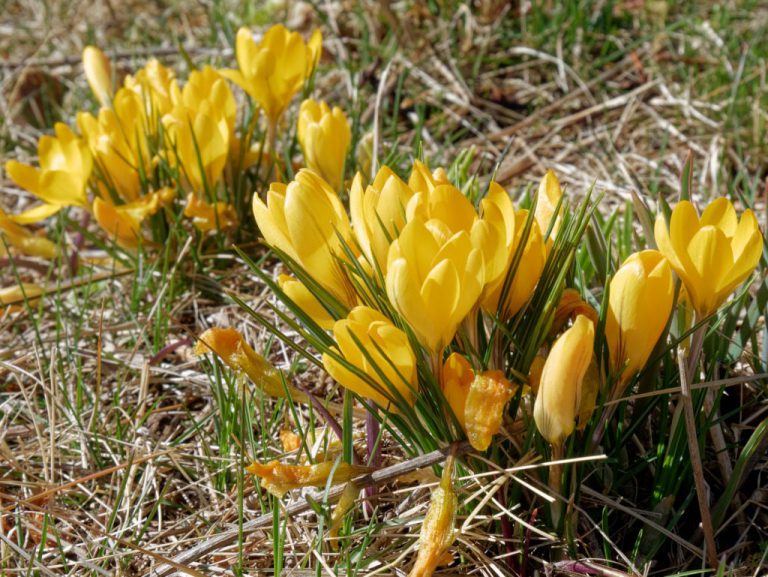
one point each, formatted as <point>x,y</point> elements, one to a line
<point>207,217</point>
<point>570,306</point>
<point>484,408</point>
<point>233,350</point>
<point>290,440</point>
<point>437,531</point>
<point>278,478</point>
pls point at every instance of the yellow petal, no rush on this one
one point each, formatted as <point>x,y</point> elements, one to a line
<point>720,214</point>
<point>456,379</point>
<point>36,213</point>
<point>712,259</point>
<point>25,176</point>
<point>306,301</point>
<point>546,202</point>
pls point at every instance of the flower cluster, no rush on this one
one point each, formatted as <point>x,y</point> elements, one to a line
<point>160,147</point>
<point>415,277</point>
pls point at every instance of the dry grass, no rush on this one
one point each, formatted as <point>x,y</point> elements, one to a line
<point>120,450</point>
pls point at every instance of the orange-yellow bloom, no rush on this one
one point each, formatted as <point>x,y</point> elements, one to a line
<point>368,341</point>
<point>324,136</point>
<point>274,70</point>
<point>477,399</point>
<point>207,217</point>
<point>559,398</point>
<point>640,301</point>
<point>713,254</point>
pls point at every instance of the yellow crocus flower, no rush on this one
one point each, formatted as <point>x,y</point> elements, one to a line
<point>378,213</point>
<point>118,141</point>
<point>559,397</point>
<point>274,70</point>
<point>199,143</point>
<point>369,341</point>
<point>61,180</point>
<point>434,278</point>
<point>98,72</point>
<point>713,254</point>
<point>640,301</point>
<point>324,136</point>
<point>305,219</point>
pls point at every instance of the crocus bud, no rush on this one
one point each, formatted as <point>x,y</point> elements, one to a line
<point>560,389</point>
<point>98,72</point>
<point>713,254</point>
<point>640,301</point>
<point>368,341</point>
<point>324,136</point>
